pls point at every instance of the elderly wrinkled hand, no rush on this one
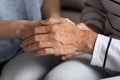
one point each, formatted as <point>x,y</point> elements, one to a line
<point>60,39</point>
<point>31,28</point>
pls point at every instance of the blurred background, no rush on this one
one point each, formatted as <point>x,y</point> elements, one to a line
<point>72,9</point>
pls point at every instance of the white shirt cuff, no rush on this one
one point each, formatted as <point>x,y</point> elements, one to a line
<point>99,50</point>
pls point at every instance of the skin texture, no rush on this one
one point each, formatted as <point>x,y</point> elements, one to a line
<point>82,26</point>
<point>24,28</point>
<point>51,36</point>
<point>15,29</point>
<point>60,39</point>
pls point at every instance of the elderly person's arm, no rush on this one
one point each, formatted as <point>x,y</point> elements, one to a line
<point>66,38</point>
<point>94,15</point>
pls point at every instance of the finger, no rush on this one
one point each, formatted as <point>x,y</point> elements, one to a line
<point>65,57</point>
<point>36,30</point>
<point>42,30</point>
<point>45,51</point>
<point>27,32</point>
<point>36,38</point>
<point>70,56</point>
<point>36,46</point>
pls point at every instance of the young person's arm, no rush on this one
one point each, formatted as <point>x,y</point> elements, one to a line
<point>51,9</point>
<point>15,29</point>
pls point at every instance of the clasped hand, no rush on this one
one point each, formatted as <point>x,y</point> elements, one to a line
<point>59,37</point>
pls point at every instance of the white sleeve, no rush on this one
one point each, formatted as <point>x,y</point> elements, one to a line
<point>94,13</point>
<point>106,53</point>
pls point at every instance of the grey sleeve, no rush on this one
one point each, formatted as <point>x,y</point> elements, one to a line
<point>94,13</point>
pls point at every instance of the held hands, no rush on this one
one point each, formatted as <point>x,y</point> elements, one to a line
<point>29,28</point>
<point>61,38</point>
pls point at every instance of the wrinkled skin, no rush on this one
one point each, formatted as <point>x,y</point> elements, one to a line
<point>63,38</point>
<point>36,27</point>
<point>82,26</point>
